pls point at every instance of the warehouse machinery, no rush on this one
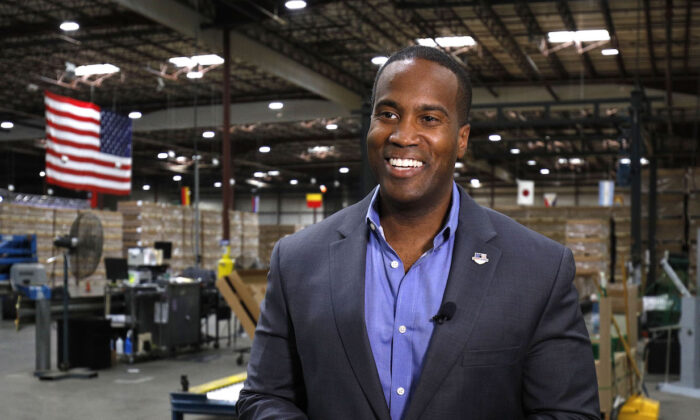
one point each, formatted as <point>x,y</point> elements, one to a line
<point>213,398</point>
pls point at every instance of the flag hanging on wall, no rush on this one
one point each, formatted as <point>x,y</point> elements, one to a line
<point>87,148</point>
<point>526,192</point>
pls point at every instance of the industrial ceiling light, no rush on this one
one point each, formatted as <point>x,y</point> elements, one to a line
<point>295,4</point>
<point>92,69</point>
<point>475,183</point>
<point>379,60</point>
<point>10,187</point>
<point>146,187</point>
<point>294,181</point>
<point>531,162</point>
<point>459,165</point>
<point>447,41</point>
<point>344,169</point>
<point>515,151</point>
<point>544,171</point>
<point>610,51</point>
<point>215,161</point>
<point>495,137</point>
<point>273,173</point>
<point>162,155</point>
<point>275,105</point>
<point>69,26</point>
<point>589,35</point>
<point>177,178</point>
<point>180,159</point>
<point>195,75</point>
<point>625,161</point>
<point>312,181</point>
<point>563,161</point>
<point>203,60</point>
<point>259,174</point>
<point>576,161</point>
<point>135,115</point>
<point>49,191</point>
<point>171,153</point>
<point>208,134</point>
<point>7,125</point>
<point>331,126</point>
<point>323,188</point>
<point>42,174</point>
<point>217,184</point>
<point>336,183</point>
<point>644,161</point>
<point>264,149</point>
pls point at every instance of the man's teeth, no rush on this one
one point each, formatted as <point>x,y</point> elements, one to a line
<point>405,163</point>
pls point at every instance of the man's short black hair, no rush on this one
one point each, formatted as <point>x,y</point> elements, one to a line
<point>464,91</point>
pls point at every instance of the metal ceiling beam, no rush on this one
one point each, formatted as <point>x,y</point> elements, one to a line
<point>686,41</point>
<point>499,31</point>
<point>319,80</point>
<point>534,30</point>
<point>605,6</point>
<point>570,23</point>
<point>650,38</point>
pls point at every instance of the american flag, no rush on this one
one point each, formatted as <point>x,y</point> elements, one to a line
<point>87,148</point>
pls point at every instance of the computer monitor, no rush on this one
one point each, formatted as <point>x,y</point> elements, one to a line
<point>166,247</point>
<point>117,269</point>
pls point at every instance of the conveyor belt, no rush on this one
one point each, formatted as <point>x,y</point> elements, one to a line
<point>214,398</point>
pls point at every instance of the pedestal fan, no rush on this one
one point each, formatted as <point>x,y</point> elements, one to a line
<point>82,251</point>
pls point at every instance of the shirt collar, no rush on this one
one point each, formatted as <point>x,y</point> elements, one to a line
<point>447,231</point>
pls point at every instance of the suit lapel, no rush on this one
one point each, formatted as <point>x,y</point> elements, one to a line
<point>347,268</point>
<point>467,285</point>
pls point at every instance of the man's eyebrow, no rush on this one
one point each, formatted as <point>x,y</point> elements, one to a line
<point>433,107</point>
<point>386,102</point>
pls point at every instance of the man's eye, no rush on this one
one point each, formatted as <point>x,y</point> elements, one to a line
<point>430,119</point>
<point>387,115</point>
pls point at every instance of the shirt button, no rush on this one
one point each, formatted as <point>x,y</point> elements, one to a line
<point>400,390</point>
<point>371,226</point>
<point>402,329</point>
<point>394,264</point>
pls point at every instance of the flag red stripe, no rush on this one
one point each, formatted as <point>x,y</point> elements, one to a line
<point>73,116</point>
<point>84,159</point>
<point>83,187</point>
<point>85,172</point>
<point>72,144</point>
<point>73,130</point>
<point>71,101</point>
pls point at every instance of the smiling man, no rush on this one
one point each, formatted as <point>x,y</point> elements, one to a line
<point>417,303</point>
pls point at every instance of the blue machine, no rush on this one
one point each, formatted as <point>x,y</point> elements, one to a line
<point>15,249</point>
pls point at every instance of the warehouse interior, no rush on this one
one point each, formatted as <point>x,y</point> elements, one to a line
<point>247,122</point>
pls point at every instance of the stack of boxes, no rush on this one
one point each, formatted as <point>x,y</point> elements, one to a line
<point>269,235</point>
<point>589,240</point>
<point>670,212</point>
<point>211,234</point>
<point>235,219</point>
<point>250,240</point>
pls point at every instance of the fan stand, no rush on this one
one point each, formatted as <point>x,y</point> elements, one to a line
<point>64,371</point>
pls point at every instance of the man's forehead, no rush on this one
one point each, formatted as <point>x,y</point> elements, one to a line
<point>429,77</point>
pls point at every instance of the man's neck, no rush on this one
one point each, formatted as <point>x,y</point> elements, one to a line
<point>410,230</point>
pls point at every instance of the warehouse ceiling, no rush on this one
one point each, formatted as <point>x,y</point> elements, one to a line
<point>548,101</point>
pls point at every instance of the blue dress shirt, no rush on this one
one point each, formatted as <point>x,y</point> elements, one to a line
<point>398,306</point>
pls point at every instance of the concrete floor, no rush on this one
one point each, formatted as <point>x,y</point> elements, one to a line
<point>118,394</point>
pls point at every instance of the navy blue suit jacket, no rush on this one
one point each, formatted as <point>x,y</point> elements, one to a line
<point>516,347</point>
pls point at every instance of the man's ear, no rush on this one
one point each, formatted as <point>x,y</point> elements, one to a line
<point>463,140</point>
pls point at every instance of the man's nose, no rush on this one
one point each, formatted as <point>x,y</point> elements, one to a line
<point>404,134</point>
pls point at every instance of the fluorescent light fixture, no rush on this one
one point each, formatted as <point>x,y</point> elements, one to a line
<point>515,151</point>
<point>336,183</point>
<point>344,169</point>
<point>180,159</point>
<point>208,134</point>
<point>331,126</point>
<point>90,69</point>
<point>531,162</point>
<point>255,182</point>
<point>273,173</point>
<point>135,115</point>
<point>42,174</point>
<point>563,161</point>
<point>259,174</point>
<point>264,149</point>
<point>576,161</point>
<point>177,178</point>
<point>459,165</point>
<point>312,181</point>
<point>69,26</point>
<point>293,181</point>
<point>447,41</point>
<point>215,161</point>
<point>171,153</point>
<point>589,35</point>
<point>625,161</point>
<point>217,184</point>
<point>7,125</point>
<point>195,75</point>
<point>10,187</point>
<point>644,161</point>
<point>204,60</point>
<point>231,182</point>
<point>49,191</point>
<point>275,105</point>
<point>495,137</point>
<point>544,171</point>
<point>183,61</point>
<point>475,183</point>
<point>295,4</point>
<point>379,60</point>
<point>610,51</point>
<point>320,149</point>
<point>146,187</point>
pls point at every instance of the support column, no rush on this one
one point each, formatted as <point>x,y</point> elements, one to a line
<point>651,234</point>
<point>636,187</point>
<point>226,187</point>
